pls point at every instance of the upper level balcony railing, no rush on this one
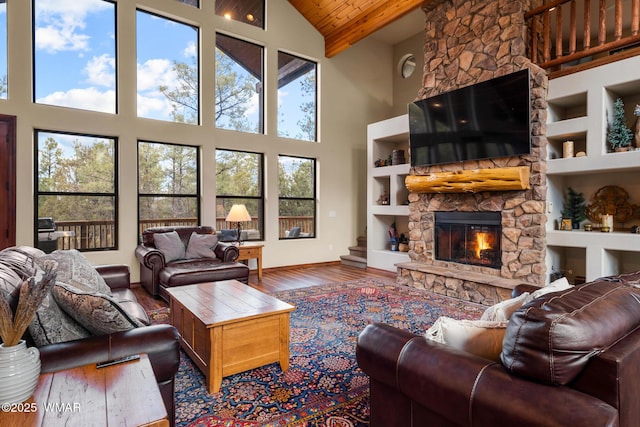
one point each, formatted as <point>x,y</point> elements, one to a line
<point>89,235</point>
<point>572,33</point>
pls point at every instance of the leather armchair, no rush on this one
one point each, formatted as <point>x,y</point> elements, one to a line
<point>156,273</point>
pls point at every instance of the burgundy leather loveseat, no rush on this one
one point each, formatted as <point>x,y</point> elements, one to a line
<point>159,342</point>
<point>569,358</point>
<point>156,274</point>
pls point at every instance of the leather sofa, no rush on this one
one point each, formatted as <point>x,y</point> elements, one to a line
<point>415,381</point>
<point>156,274</point>
<point>159,342</point>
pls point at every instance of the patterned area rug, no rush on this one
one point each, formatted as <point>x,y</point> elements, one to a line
<point>323,386</point>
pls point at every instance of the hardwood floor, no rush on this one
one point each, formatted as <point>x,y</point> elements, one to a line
<point>285,278</point>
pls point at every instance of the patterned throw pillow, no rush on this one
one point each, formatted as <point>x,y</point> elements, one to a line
<point>170,245</point>
<point>201,245</point>
<point>98,313</point>
<point>52,325</point>
<point>75,270</point>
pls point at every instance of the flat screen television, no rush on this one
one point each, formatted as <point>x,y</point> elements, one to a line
<point>486,120</point>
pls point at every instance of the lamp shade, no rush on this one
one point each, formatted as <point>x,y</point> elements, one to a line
<point>238,213</point>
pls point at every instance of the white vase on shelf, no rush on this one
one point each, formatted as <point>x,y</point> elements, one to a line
<point>19,372</point>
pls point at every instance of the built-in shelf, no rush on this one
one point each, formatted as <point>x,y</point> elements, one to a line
<point>382,139</point>
<point>580,107</point>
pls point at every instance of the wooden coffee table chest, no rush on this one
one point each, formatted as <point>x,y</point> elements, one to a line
<point>228,327</point>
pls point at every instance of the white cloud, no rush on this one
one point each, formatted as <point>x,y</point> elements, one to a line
<point>60,23</point>
<point>87,99</point>
<point>101,71</point>
<point>191,51</point>
<point>54,39</point>
<point>153,73</point>
<point>153,107</point>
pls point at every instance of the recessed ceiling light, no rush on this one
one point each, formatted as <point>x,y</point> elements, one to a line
<point>227,15</point>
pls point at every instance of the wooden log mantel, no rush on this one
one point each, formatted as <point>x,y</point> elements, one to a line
<point>471,181</point>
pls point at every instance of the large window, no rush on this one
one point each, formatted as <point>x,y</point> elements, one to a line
<point>168,69</point>
<point>297,197</point>
<point>239,180</point>
<point>168,185</point>
<point>75,54</point>
<point>297,102</point>
<point>238,91</point>
<point>248,11</point>
<point>77,189</point>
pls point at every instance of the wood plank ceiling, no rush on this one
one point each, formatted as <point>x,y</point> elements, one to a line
<point>344,22</point>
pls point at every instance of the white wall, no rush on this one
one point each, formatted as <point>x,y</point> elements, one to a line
<point>405,90</point>
<point>355,89</point>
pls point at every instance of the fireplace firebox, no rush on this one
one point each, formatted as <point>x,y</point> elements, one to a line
<point>469,238</point>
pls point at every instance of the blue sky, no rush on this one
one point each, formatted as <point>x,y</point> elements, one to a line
<point>75,60</point>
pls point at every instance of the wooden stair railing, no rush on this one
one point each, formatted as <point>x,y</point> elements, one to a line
<point>548,47</point>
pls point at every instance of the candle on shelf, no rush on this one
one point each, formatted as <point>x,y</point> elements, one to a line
<point>567,149</point>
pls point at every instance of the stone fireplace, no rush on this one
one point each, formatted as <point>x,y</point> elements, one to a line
<point>467,42</point>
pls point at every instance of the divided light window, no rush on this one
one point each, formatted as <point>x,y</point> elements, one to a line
<point>239,180</point>
<point>297,100</point>
<point>168,185</point>
<point>297,197</point>
<point>247,11</point>
<point>3,49</point>
<point>239,83</point>
<point>75,54</point>
<point>168,69</point>
<point>77,188</point>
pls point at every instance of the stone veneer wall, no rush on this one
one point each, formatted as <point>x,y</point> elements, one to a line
<point>467,42</point>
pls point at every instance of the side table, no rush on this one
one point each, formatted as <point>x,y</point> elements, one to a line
<point>117,395</point>
<point>249,251</point>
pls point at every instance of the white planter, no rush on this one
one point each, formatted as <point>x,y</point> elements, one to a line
<point>19,372</point>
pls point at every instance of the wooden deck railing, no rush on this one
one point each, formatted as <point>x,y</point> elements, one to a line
<point>555,38</point>
<point>100,234</point>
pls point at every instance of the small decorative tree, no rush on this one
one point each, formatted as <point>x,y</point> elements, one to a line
<point>619,134</point>
<point>574,208</point>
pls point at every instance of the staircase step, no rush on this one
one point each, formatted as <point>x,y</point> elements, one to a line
<point>353,261</point>
<point>362,241</point>
<point>360,251</point>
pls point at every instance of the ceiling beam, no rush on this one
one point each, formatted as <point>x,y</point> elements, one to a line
<point>366,24</point>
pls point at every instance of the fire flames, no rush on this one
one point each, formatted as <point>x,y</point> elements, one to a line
<point>483,242</point>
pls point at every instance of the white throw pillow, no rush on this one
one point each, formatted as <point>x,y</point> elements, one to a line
<point>478,337</point>
<point>502,311</point>
<point>170,245</point>
<point>201,245</point>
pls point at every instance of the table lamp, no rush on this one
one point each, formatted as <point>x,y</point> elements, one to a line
<point>238,214</point>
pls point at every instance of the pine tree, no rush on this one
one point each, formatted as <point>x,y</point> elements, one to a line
<point>574,207</point>
<point>619,134</point>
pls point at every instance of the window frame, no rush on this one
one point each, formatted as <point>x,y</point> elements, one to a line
<point>313,198</point>
<point>316,114</point>
<point>114,194</point>
<point>261,95</point>
<point>197,196</point>
<point>198,38</point>
<point>34,67</point>
<point>260,197</point>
